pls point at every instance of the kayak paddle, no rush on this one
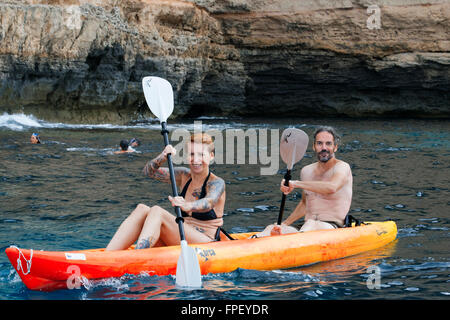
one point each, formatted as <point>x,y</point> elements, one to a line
<point>159,96</point>
<point>293,145</point>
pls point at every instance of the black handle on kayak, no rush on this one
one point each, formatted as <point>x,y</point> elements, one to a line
<point>179,218</point>
<point>287,177</point>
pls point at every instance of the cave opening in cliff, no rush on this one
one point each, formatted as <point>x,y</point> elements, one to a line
<point>197,110</point>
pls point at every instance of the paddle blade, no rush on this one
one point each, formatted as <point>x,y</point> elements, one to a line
<point>188,269</point>
<point>159,96</point>
<point>293,145</point>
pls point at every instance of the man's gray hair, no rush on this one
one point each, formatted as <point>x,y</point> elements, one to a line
<point>331,130</point>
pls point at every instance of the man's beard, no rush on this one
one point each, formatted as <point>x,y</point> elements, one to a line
<point>324,156</point>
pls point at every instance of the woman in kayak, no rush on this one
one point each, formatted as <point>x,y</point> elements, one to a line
<point>201,201</point>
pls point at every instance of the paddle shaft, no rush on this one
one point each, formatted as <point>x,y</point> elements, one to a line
<point>287,177</point>
<point>179,218</point>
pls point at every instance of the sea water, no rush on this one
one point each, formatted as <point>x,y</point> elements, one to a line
<point>72,192</point>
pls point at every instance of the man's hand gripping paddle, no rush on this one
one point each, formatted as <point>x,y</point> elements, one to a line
<point>159,96</point>
<point>293,145</point>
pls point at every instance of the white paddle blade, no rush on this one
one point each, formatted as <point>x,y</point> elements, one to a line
<point>293,145</point>
<point>159,96</point>
<point>188,269</point>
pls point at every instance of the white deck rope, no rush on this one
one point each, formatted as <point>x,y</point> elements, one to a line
<point>19,263</point>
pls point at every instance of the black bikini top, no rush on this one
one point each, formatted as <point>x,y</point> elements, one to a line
<point>209,215</point>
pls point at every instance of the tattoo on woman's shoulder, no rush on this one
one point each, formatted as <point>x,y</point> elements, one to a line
<point>216,188</point>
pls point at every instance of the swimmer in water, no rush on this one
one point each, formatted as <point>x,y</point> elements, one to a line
<point>123,147</point>
<point>35,139</point>
<point>133,143</point>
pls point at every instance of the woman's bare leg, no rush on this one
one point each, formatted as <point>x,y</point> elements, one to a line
<point>151,229</point>
<point>160,226</point>
<point>130,229</point>
<point>153,226</point>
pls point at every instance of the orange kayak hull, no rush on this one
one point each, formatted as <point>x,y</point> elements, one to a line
<point>51,270</point>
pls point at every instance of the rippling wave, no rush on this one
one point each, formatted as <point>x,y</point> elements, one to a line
<point>72,192</point>
<point>21,122</point>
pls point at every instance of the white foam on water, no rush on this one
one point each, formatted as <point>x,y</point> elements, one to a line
<point>21,122</point>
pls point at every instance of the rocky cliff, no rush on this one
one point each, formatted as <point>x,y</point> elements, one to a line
<point>83,61</point>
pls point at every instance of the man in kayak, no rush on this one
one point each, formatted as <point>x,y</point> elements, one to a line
<point>327,189</point>
<point>201,201</point>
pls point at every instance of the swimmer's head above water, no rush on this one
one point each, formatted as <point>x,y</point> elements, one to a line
<point>34,139</point>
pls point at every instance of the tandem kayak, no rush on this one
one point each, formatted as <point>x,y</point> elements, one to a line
<point>51,270</point>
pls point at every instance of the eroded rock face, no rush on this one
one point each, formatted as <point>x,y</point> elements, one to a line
<point>326,60</point>
<point>83,61</point>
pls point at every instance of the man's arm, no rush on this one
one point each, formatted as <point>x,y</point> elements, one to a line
<point>325,187</point>
<point>299,212</point>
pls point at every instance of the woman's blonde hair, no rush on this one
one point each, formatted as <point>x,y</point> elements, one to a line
<point>203,138</point>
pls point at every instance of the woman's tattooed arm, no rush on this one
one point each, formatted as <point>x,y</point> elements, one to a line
<point>214,189</point>
<point>152,169</point>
